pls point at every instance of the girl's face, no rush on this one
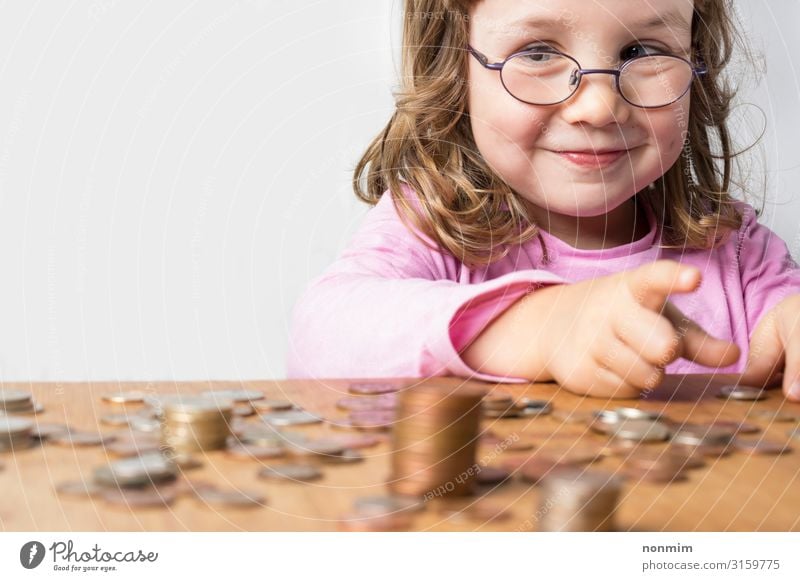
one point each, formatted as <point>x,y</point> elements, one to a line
<point>529,145</point>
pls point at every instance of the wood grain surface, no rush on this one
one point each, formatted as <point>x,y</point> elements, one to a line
<point>735,493</point>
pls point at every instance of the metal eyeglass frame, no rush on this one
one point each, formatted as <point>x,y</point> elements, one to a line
<point>697,70</point>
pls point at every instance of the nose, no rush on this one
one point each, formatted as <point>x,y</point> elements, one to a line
<point>596,102</point>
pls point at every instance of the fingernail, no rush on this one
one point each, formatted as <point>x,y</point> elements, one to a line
<point>794,391</point>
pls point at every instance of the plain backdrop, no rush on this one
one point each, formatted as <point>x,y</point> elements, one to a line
<point>172,174</point>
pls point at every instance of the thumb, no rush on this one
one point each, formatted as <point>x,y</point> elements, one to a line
<point>652,283</point>
<point>699,346</point>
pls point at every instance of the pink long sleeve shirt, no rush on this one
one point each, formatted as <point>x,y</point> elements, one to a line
<point>389,306</point>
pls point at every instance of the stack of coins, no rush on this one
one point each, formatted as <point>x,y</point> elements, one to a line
<point>138,471</point>
<point>15,433</point>
<point>15,401</point>
<point>577,500</point>
<point>435,439</point>
<point>191,424</point>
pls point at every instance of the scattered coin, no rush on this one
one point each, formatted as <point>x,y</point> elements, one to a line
<point>233,395</point>
<point>586,501</point>
<point>761,447</point>
<point>741,393</point>
<point>642,430</point>
<point>388,504</point>
<point>345,457</point>
<point>271,405</point>
<point>535,407</point>
<point>115,419</point>
<point>373,388</point>
<point>231,498</point>
<point>125,397</point>
<point>43,431</point>
<point>628,413</point>
<point>75,438</point>
<point>297,472</point>
<point>653,466</point>
<point>290,418</point>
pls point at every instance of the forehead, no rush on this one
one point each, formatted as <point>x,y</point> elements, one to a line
<point>512,18</point>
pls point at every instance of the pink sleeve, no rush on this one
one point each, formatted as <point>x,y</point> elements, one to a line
<point>391,307</point>
<point>769,274</point>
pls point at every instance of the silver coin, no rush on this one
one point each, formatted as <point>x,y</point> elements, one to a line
<point>235,395</point>
<point>143,424</point>
<point>641,431</point>
<point>628,413</point>
<point>741,393</point>
<point>345,457</point>
<point>272,405</point>
<point>124,397</point>
<point>535,407</point>
<point>290,418</point>
<point>387,504</point>
<point>232,498</point>
<point>115,419</point>
<point>14,397</point>
<point>15,426</point>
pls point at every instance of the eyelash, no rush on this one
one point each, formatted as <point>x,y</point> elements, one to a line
<point>651,49</point>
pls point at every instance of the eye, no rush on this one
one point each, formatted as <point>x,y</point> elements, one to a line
<point>538,54</point>
<point>638,50</point>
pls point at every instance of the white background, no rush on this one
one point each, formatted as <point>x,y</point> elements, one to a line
<point>172,174</point>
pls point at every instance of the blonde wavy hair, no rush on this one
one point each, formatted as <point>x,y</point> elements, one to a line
<point>469,210</point>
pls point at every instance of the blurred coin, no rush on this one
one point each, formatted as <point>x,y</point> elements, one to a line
<point>75,438</point>
<point>373,388</point>
<point>272,405</point>
<point>297,472</point>
<point>573,416</point>
<point>243,410</point>
<point>125,397</point>
<point>641,431</point>
<point>368,403</point>
<point>794,433</point>
<point>344,457</point>
<point>231,498</point>
<point>761,447</point>
<point>255,452</point>
<point>290,418</point>
<point>774,416</point>
<point>234,395</point>
<point>133,446</point>
<point>741,393</point>
<point>535,407</point>
<point>388,504</point>
<point>115,419</point>
<point>366,522</point>
<point>629,413</point>
<point>143,424</point>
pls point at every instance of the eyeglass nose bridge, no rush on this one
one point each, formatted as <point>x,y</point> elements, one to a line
<point>578,74</point>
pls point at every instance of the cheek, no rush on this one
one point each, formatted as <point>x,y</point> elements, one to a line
<point>501,122</point>
<point>669,131</point>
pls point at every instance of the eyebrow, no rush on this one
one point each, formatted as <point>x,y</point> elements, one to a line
<point>672,20</point>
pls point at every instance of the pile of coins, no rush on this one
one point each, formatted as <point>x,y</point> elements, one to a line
<point>435,438</point>
<point>15,401</point>
<point>191,424</point>
<point>15,433</point>
<point>577,500</point>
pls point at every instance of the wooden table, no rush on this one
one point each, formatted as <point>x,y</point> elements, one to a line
<point>736,493</point>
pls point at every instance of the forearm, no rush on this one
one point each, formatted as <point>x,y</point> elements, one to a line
<point>513,344</point>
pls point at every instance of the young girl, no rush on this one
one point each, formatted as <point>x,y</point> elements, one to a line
<point>553,203</point>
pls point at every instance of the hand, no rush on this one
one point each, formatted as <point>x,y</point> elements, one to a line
<point>775,347</point>
<point>613,336</point>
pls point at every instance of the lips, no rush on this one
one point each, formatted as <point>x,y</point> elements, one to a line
<point>592,159</point>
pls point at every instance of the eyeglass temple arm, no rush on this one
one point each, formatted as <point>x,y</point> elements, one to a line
<point>484,61</point>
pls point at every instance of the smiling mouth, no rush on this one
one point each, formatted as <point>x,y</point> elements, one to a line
<point>589,159</point>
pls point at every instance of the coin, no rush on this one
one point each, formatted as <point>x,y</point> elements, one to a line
<point>774,416</point>
<point>629,413</point>
<point>255,452</point>
<point>794,433</point>
<point>345,457</point>
<point>115,419</point>
<point>75,438</point>
<point>653,466</point>
<point>124,397</point>
<point>388,504</point>
<point>535,407</point>
<point>765,447</point>
<point>271,405</point>
<point>243,410</point>
<point>131,446</point>
<point>290,418</point>
<point>741,393</point>
<point>298,472</point>
<point>578,500</point>
<point>234,395</point>
<point>368,403</point>
<point>641,431</point>
<point>373,388</point>
<point>231,498</point>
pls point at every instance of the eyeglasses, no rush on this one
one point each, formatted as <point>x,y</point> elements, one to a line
<point>548,77</point>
